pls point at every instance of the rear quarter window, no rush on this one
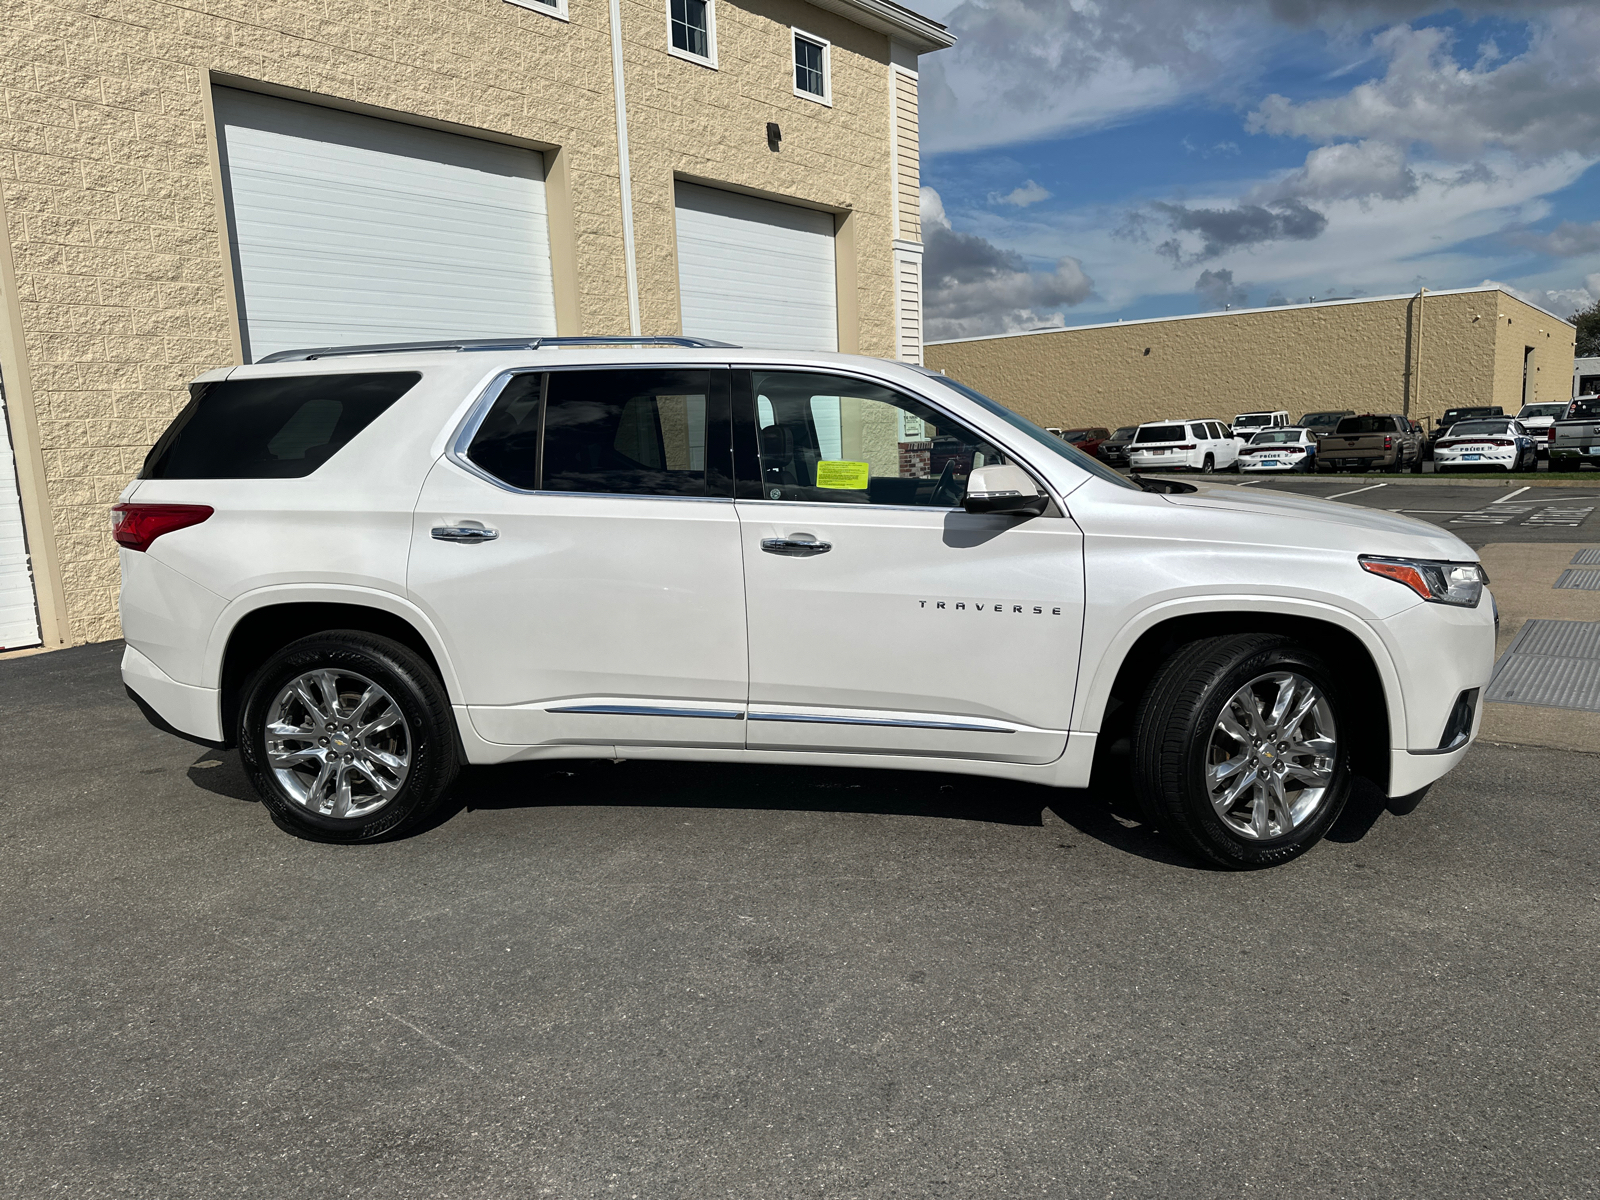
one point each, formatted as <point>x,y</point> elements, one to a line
<point>280,428</point>
<point>1160,433</point>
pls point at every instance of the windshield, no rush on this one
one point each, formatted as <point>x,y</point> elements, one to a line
<point>1274,436</point>
<point>1252,420</point>
<point>1366,425</point>
<point>1046,439</point>
<point>1541,410</point>
<point>1479,428</point>
<point>1074,435</point>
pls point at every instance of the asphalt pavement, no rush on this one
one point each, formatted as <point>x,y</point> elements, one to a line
<point>673,980</point>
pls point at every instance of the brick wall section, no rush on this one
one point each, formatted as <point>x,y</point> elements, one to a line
<point>1357,356</point>
<point>106,169</point>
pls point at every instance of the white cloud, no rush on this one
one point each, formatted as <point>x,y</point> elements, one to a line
<point>1217,290</point>
<point>1570,239</point>
<point>1546,101</point>
<point>972,286</point>
<point>1029,193</point>
<point>1348,171</point>
<point>1561,301</point>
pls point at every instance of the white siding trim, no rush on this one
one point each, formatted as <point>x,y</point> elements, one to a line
<point>19,608</point>
<point>624,170</point>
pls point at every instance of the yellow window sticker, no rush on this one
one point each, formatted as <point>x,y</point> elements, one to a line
<point>834,473</point>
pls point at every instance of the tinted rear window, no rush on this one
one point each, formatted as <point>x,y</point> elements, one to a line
<point>1160,433</point>
<point>1366,425</point>
<point>1479,428</point>
<point>1583,410</point>
<point>283,428</point>
<point>1252,420</point>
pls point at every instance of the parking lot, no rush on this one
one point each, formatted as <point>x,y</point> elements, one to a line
<point>661,980</point>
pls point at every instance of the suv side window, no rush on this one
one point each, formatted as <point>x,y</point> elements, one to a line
<point>615,432</point>
<point>832,439</point>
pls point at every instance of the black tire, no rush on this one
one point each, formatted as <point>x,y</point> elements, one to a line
<point>1173,733</point>
<point>1209,466</point>
<point>415,693</point>
<point>1416,465</point>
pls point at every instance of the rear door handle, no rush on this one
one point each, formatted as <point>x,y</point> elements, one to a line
<point>794,547</point>
<point>464,533</point>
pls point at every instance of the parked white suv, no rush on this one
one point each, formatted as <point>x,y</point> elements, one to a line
<point>367,569</point>
<point>1183,445</point>
<point>1247,425</point>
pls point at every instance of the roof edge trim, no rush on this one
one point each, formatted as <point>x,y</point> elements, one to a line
<point>922,34</point>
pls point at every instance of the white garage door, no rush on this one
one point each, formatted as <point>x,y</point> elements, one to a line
<point>19,619</point>
<point>755,272</point>
<point>348,229</point>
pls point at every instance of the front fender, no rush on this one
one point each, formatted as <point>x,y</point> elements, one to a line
<point>1097,675</point>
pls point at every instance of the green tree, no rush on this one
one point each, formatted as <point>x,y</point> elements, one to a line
<point>1588,323</point>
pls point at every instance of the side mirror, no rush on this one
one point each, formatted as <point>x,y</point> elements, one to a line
<point>1003,489</point>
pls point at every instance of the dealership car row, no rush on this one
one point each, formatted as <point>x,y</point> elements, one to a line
<point>1473,439</point>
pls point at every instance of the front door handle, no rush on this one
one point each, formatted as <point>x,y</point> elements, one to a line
<point>795,547</point>
<point>464,533</point>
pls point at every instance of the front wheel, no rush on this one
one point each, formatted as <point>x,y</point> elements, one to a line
<point>1238,753</point>
<point>347,737</point>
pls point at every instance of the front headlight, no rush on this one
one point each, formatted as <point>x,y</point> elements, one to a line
<point>1455,583</point>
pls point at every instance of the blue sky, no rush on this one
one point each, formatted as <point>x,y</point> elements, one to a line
<point>1085,162</point>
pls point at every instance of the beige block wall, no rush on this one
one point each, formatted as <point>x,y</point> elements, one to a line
<point>121,289</point>
<point>1369,356</point>
<point>688,121</point>
<point>1517,327</point>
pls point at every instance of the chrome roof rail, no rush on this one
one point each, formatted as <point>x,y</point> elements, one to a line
<point>489,344</point>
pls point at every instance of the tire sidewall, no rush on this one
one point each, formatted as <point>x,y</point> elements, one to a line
<point>406,681</point>
<point>1226,846</point>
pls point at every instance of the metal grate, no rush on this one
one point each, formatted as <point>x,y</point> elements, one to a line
<point>1583,581</point>
<point>1550,664</point>
<point>1589,557</point>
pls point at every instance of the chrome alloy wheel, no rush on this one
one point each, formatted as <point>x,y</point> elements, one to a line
<point>1269,766</point>
<point>337,743</point>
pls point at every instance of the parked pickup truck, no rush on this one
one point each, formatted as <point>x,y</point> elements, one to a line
<point>1371,442</point>
<point>1574,439</point>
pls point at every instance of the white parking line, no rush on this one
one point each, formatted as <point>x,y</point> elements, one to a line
<point>1508,495</point>
<point>1358,491</point>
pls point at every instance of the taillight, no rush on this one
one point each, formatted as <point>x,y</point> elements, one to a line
<point>1191,446</point>
<point>137,525</point>
<point>1388,443</point>
<point>1442,445</point>
<point>1500,442</point>
<point>1551,436</point>
<point>1296,449</point>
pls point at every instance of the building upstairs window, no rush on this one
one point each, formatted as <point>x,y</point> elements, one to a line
<point>693,30</point>
<point>552,8</point>
<point>811,68</point>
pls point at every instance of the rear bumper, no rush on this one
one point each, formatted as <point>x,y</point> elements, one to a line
<point>181,708</point>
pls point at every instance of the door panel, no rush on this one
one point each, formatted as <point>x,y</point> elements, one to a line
<point>921,629</point>
<point>607,608</point>
<point>958,632</point>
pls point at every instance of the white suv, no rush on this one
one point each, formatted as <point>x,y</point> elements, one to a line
<point>368,568</point>
<point>1183,445</point>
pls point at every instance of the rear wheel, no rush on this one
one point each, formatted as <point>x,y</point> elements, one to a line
<point>1208,467</point>
<point>1237,749</point>
<point>347,737</point>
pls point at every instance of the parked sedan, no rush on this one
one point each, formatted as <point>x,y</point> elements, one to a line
<point>1114,449</point>
<point>1280,450</point>
<point>1499,443</point>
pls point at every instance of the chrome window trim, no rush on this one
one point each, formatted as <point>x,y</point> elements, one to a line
<point>833,504</point>
<point>822,720</point>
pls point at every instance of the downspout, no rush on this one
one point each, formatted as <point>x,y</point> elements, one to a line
<point>624,172</point>
<point>1416,382</point>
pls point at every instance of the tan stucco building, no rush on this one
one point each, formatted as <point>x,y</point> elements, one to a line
<point>186,187</point>
<point>1414,354</point>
